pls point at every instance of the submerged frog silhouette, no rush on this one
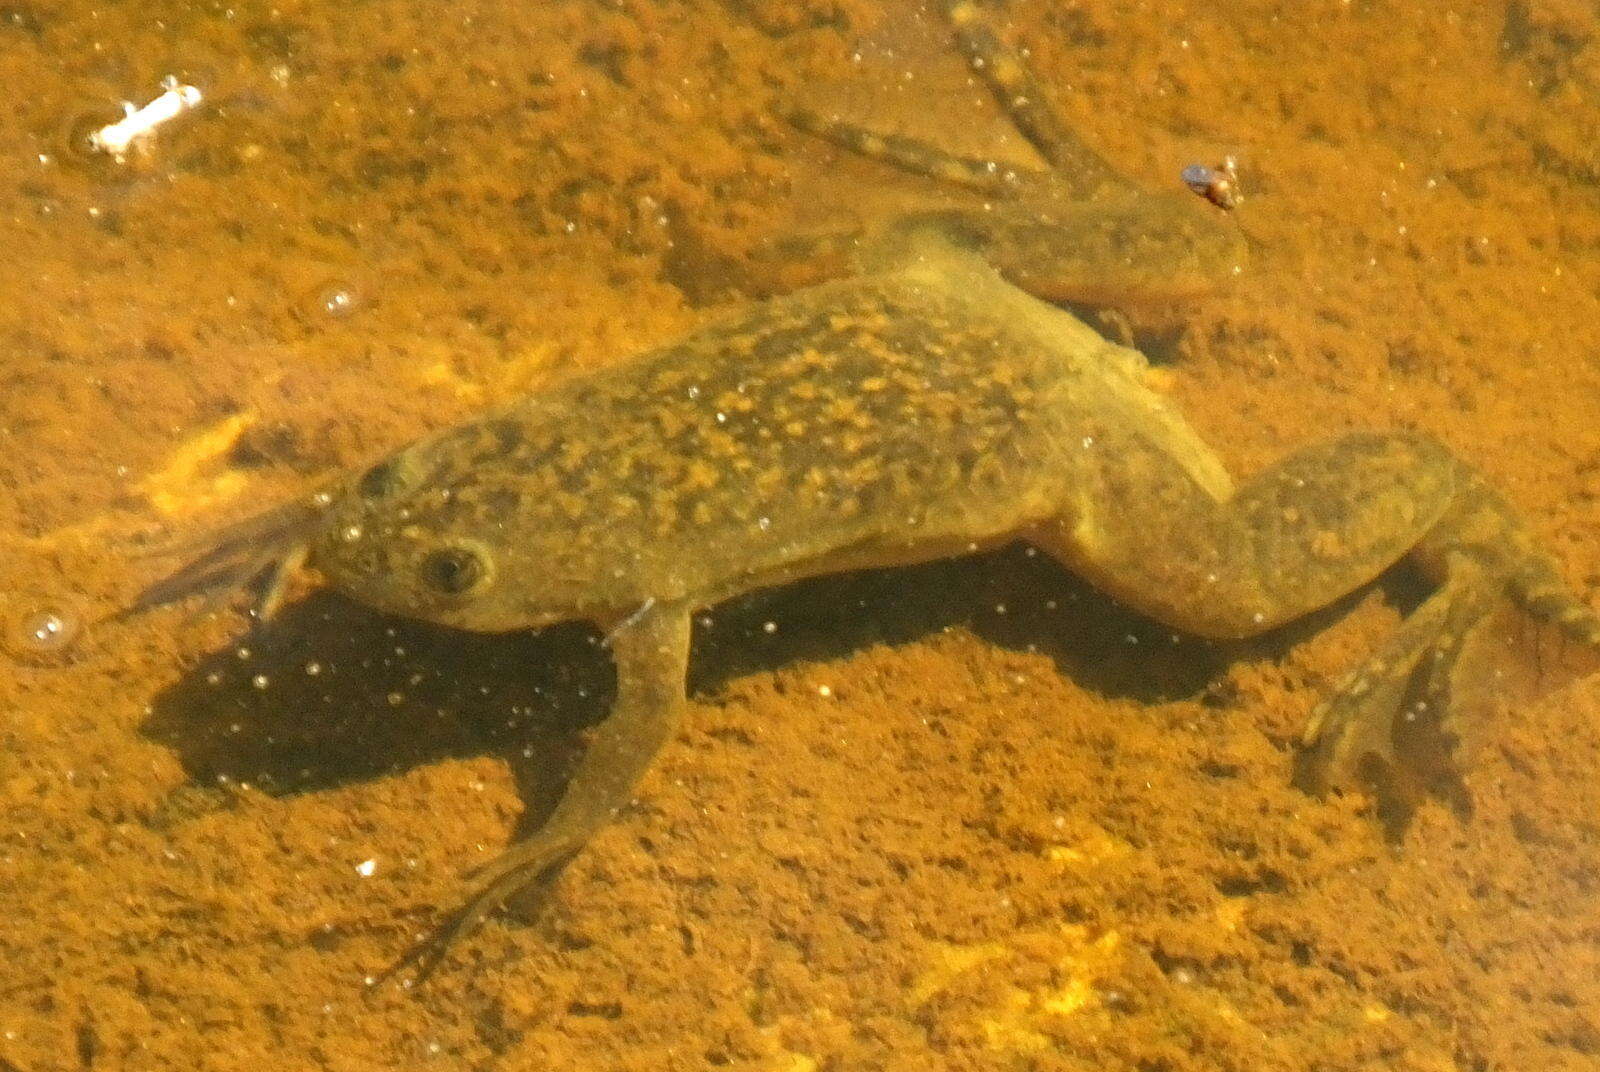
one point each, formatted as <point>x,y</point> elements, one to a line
<point>924,408</point>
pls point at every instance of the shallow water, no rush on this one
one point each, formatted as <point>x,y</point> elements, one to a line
<point>968,815</point>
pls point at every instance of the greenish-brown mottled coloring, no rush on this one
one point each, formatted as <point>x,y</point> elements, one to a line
<point>923,408</point>
<point>924,411</point>
<point>879,420</point>
<point>920,412</point>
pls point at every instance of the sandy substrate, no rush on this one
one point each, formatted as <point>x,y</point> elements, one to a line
<point>966,816</point>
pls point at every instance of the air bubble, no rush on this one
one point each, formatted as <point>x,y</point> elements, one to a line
<point>42,631</point>
<point>331,298</point>
<point>49,630</point>
<point>337,301</point>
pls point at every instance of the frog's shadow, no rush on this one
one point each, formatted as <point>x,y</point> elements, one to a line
<point>331,692</point>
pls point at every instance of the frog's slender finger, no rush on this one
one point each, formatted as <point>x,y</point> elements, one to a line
<point>1025,101</point>
<point>275,581</point>
<point>425,957</point>
<point>916,156</point>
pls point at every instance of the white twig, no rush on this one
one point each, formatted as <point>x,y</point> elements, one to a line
<point>138,125</point>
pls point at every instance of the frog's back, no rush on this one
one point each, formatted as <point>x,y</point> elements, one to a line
<point>892,417</point>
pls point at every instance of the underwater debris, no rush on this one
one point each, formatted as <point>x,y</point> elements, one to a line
<point>132,133</point>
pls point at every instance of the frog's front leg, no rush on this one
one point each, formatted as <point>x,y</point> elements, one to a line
<point>651,652</point>
<point>1309,530</point>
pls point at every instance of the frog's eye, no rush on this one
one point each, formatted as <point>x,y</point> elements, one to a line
<point>381,480</point>
<point>453,570</point>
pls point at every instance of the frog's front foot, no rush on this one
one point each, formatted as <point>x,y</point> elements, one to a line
<point>530,867</point>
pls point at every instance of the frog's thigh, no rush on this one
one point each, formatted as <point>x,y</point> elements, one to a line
<point>1298,536</point>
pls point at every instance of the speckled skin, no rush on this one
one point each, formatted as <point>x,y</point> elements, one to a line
<point>924,411</point>
<point>910,415</point>
<point>924,408</point>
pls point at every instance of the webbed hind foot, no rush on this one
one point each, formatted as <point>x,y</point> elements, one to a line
<point>1391,721</point>
<point>1394,720</point>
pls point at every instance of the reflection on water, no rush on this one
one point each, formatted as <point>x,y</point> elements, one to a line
<point>962,814</point>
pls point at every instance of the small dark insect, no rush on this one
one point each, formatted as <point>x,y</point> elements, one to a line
<point>1219,185</point>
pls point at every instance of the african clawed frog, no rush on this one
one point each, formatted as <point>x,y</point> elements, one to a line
<point>926,408</point>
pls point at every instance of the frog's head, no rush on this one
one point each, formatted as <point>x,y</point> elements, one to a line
<point>410,537</point>
<point>406,536</point>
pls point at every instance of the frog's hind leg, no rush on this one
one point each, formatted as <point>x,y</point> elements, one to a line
<point>1307,531</point>
<point>1076,167</point>
<point>1026,103</point>
<point>786,263</point>
<point>915,156</point>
